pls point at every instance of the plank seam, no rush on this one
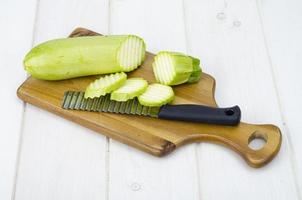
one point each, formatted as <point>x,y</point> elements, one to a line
<point>24,106</point>
<point>198,169</point>
<point>283,118</point>
<point>188,50</point>
<point>109,17</point>
<point>108,140</point>
<point>188,46</point>
<point>107,167</point>
<point>13,196</point>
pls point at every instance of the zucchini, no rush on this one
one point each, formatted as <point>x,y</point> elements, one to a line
<point>132,87</point>
<point>105,85</point>
<point>156,95</point>
<point>81,56</point>
<point>173,68</point>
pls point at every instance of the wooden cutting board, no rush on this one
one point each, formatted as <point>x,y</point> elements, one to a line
<point>155,136</point>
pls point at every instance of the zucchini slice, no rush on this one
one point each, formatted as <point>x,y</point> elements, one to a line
<point>105,85</point>
<point>132,87</point>
<point>173,68</point>
<point>156,95</point>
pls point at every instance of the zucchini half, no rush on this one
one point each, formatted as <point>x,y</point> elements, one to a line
<point>82,56</point>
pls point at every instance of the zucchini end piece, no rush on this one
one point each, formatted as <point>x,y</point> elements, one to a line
<point>196,73</point>
<point>173,68</point>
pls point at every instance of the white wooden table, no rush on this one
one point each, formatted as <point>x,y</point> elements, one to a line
<point>252,47</point>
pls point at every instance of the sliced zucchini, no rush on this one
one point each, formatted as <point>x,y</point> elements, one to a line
<point>132,87</point>
<point>105,85</point>
<point>156,95</point>
<point>173,68</point>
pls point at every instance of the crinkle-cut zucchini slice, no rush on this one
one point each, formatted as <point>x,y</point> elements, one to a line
<point>132,87</point>
<point>156,95</point>
<point>105,85</point>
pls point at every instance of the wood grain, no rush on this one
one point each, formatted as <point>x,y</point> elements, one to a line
<point>141,133</point>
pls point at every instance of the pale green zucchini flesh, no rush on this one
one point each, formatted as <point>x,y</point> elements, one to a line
<point>132,87</point>
<point>173,68</point>
<point>131,53</point>
<point>156,95</point>
<point>82,56</point>
<point>105,85</point>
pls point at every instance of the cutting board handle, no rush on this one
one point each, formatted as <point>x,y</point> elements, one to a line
<point>238,139</point>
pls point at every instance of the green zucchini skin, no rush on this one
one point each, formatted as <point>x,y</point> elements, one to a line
<point>82,56</point>
<point>174,68</point>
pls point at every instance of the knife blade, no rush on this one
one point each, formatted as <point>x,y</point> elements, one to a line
<point>74,100</point>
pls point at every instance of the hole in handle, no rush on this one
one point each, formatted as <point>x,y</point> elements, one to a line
<point>257,140</point>
<point>229,112</point>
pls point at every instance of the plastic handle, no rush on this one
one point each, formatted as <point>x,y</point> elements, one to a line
<point>202,114</point>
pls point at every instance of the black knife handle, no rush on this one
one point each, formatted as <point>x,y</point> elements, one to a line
<point>202,114</point>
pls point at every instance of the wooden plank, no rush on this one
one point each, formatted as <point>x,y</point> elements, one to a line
<point>14,20</point>
<point>60,160</point>
<point>133,174</point>
<point>227,36</point>
<point>283,30</point>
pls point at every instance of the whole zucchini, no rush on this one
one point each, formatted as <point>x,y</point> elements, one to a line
<point>81,56</point>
